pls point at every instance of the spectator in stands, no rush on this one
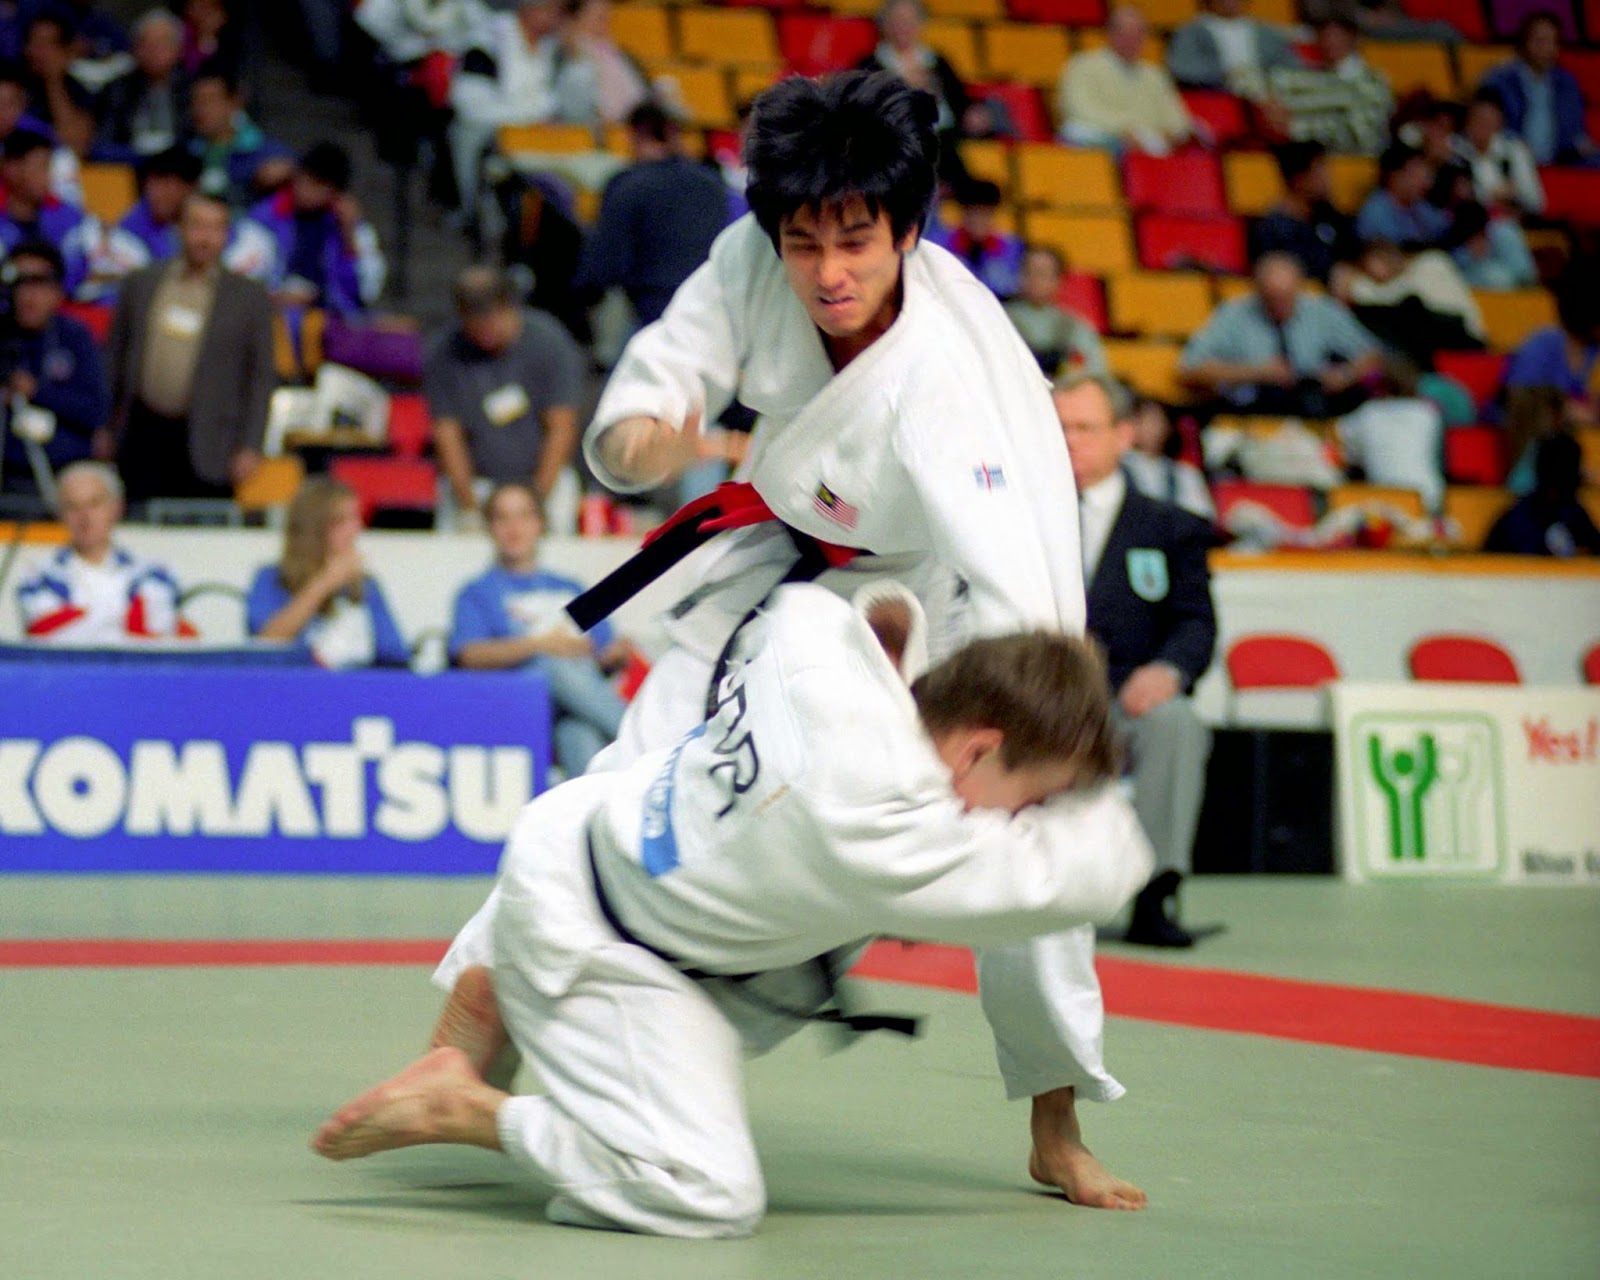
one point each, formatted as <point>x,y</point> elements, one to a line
<point>1222,48</point>
<point>91,591</point>
<point>1416,304</point>
<point>1344,103</point>
<point>1490,253</point>
<point>503,388</point>
<point>57,98</point>
<point>31,210</point>
<point>192,373</point>
<point>1149,606</point>
<point>992,254</point>
<point>15,116</point>
<point>657,219</point>
<point>146,110</point>
<point>319,595</point>
<point>1112,98</point>
<point>210,37</point>
<point>1381,20</point>
<point>1543,102</point>
<point>326,252</point>
<point>902,52</point>
<point>595,81</point>
<point>1152,461</point>
<point>97,36</point>
<point>1549,521</point>
<point>1282,349</point>
<point>239,162</point>
<point>1061,341</point>
<point>51,363</point>
<point>513,617</point>
<point>1398,209</point>
<point>1304,224</point>
<point>1397,438</point>
<point>409,32</point>
<point>1504,175</point>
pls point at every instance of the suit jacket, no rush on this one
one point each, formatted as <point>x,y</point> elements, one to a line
<point>1150,597</point>
<point>234,376</point>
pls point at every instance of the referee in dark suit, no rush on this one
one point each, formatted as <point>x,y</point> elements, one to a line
<point>1149,606</point>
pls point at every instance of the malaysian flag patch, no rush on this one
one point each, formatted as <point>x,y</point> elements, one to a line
<point>835,508</point>
<point>988,477</point>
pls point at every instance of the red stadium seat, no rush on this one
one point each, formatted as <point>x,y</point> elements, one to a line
<point>1226,116</point>
<point>1462,660</point>
<point>1290,503</point>
<point>1507,16</point>
<point>1024,104</point>
<point>1084,295</point>
<point>1478,371</point>
<point>1475,455</point>
<point>813,43</point>
<point>1168,242</point>
<point>388,484</point>
<point>1466,16</point>
<point>93,316</point>
<point>1069,13</point>
<point>410,425</point>
<point>1279,662</point>
<point>1591,666</point>
<point>1187,183</point>
<point>1585,65</point>
<point>1572,195</point>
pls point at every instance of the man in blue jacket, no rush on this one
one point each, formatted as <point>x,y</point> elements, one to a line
<point>1542,101</point>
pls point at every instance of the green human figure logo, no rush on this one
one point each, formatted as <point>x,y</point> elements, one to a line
<point>1405,777</point>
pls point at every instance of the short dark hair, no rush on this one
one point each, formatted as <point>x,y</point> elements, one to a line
<point>1296,158</point>
<point>1468,221</point>
<point>483,288</point>
<point>1396,156</point>
<point>1487,95</point>
<point>1341,20</point>
<point>13,72</point>
<point>1046,692</point>
<point>24,142</point>
<point>327,162</point>
<point>218,69</point>
<point>1558,464</point>
<point>42,251</point>
<point>652,120</point>
<point>513,486</point>
<point>174,162</point>
<point>1525,28</point>
<point>978,193</point>
<point>816,143</point>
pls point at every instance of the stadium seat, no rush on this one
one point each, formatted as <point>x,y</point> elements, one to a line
<point>1507,16</point>
<point>1467,18</point>
<point>1290,503</point>
<point>1475,455</point>
<point>814,43</point>
<point>1589,443</point>
<point>988,159</point>
<point>1253,182</point>
<point>1407,501</point>
<point>109,191</point>
<point>1409,66</point>
<point>1474,60</point>
<point>1572,195</point>
<point>388,484</point>
<point>1478,371</point>
<point>1096,243</point>
<point>958,42</point>
<point>93,316</point>
<point>1172,13</point>
<point>1509,316</point>
<point>704,91</point>
<point>273,484</point>
<point>1351,180</point>
<point>642,31</point>
<point>1462,659</point>
<point>1069,13</point>
<point>862,8</point>
<point>1150,368</point>
<point>1189,182</point>
<point>1063,178</point>
<point>1585,66</point>
<point>1167,242</point>
<point>1160,304</point>
<point>546,139</point>
<point>410,425</point>
<point>1085,297</point>
<point>1279,662</point>
<point>1475,508</point>
<point>1024,52</point>
<point>727,37</point>
<point>1224,115</point>
<point>749,83</point>
<point>983,10</point>
<point>1153,50</point>
<point>1591,666</point>
<point>1023,103</point>
<point>1280,13</point>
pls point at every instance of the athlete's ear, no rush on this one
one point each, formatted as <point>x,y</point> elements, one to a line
<point>971,748</point>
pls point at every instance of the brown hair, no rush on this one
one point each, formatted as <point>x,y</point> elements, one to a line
<point>513,486</point>
<point>1046,692</point>
<point>305,535</point>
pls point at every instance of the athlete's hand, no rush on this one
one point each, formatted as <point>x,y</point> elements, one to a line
<point>651,451</point>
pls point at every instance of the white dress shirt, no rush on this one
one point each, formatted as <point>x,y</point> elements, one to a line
<point>1098,507</point>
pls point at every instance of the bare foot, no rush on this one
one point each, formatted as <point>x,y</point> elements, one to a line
<point>1072,1169</point>
<point>470,1020</point>
<point>438,1098</point>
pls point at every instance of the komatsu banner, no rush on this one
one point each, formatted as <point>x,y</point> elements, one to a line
<point>208,768</point>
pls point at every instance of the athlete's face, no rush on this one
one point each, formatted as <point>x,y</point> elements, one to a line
<point>982,780</point>
<point>844,265</point>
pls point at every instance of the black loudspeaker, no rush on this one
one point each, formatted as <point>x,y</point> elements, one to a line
<point>1268,805</point>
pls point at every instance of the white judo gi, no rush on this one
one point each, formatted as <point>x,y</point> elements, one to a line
<point>938,450</point>
<point>809,814</point>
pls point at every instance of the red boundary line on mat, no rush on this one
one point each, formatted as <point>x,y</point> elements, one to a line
<point>1368,1018</point>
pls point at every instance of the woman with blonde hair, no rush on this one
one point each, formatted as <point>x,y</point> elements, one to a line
<point>319,595</point>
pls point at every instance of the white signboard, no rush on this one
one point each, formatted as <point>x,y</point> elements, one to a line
<point>1466,781</point>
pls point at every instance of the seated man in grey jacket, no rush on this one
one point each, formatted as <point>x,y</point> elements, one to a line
<point>1224,49</point>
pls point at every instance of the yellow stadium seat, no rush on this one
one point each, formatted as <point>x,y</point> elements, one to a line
<point>1409,65</point>
<point>959,44</point>
<point>109,190</point>
<point>643,31</point>
<point>1064,178</point>
<point>1097,244</point>
<point>1155,46</point>
<point>1026,53</point>
<point>855,8</point>
<point>546,139</point>
<point>1352,179</point>
<point>1473,60</point>
<point>1159,304</point>
<point>1510,316</point>
<point>1589,442</point>
<point>1253,182</point>
<point>1150,368</point>
<point>980,9</point>
<point>273,484</point>
<point>1280,13</point>
<point>1408,501</point>
<point>1590,498</point>
<point>728,37</point>
<point>1231,287</point>
<point>1171,13</point>
<point>990,160</point>
<point>704,94</point>
<point>1475,508</point>
<point>749,83</point>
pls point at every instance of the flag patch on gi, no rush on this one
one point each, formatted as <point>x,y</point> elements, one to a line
<point>835,508</point>
<point>989,477</point>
